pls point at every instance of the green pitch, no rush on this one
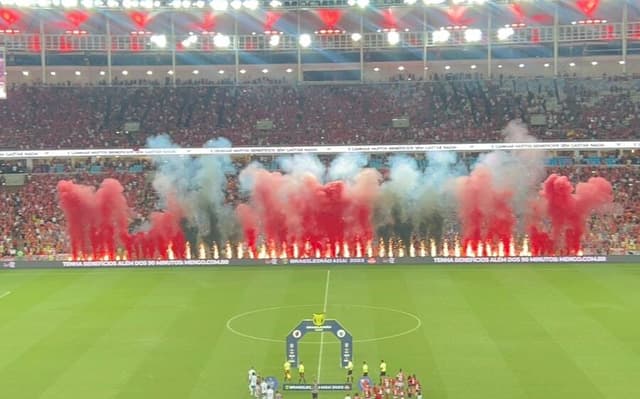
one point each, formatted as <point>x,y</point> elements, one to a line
<point>496,332</point>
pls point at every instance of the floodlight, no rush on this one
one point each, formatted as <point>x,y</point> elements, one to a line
<point>393,38</point>
<point>189,41</point>
<point>472,35</point>
<point>274,40</point>
<point>250,4</point>
<point>304,40</point>
<point>356,37</point>
<point>219,5</point>
<point>505,33</point>
<point>222,41</point>
<point>159,40</point>
<point>441,36</point>
<point>362,3</point>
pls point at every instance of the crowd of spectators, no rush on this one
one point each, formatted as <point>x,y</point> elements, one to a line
<point>438,111</point>
<point>33,224</point>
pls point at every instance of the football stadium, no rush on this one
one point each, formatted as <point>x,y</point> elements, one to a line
<point>340,199</point>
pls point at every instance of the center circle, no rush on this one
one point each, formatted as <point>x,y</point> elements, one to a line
<point>340,312</point>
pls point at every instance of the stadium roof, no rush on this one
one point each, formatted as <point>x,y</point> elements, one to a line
<point>221,5</point>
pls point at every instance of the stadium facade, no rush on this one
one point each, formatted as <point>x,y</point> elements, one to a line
<point>314,41</point>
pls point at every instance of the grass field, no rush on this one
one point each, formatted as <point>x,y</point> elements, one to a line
<point>493,332</point>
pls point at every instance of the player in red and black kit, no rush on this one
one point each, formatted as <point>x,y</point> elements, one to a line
<point>411,385</point>
<point>418,390</point>
<point>366,389</point>
<point>387,383</point>
<point>400,380</point>
<point>396,391</point>
<point>377,392</point>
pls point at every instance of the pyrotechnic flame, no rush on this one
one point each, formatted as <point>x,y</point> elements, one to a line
<point>228,250</point>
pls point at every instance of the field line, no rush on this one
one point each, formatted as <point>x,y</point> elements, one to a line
<point>5,294</point>
<point>324,310</point>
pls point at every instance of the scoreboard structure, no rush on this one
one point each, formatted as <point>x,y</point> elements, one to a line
<point>319,324</point>
<point>3,74</point>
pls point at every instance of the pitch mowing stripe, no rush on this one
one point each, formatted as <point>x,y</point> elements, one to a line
<point>620,281</point>
<point>87,322</point>
<point>186,344</point>
<point>51,354</point>
<point>542,366</point>
<point>602,357</point>
<point>109,362</point>
<point>468,360</point>
<point>419,295</point>
<point>39,309</point>
<point>35,287</point>
<point>603,305</point>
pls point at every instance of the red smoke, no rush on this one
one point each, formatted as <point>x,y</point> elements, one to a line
<point>288,209</point>
<point>98,221</point>
<point>565,212</point>
<point>485,211</point>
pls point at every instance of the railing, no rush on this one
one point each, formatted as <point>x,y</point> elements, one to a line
<point>529,35</point>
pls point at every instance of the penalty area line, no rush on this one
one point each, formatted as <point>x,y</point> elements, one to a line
<point>324,310</point>
<point>5,294</point>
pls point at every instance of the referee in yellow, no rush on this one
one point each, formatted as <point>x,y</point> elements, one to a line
<point>287,370</point>
<point>383,370</point>
<point>365,369</point>
<point>301,373</point>
<point>349,371</point>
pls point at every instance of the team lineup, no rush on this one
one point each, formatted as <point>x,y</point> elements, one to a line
<point>387,387</point>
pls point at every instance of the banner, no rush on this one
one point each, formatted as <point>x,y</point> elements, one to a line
<point>417,148</point>
<point>630,257</point>
<point>321,387</point>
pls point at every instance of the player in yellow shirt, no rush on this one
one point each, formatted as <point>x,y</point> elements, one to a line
<point>383,370</point>
<point>365,369</point>
<point>301,373</point>
<point>287,370</point>
<point>349,371</point>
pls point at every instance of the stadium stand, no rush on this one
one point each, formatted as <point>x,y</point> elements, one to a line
<point>442,110</point>
<point>34,224</point>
